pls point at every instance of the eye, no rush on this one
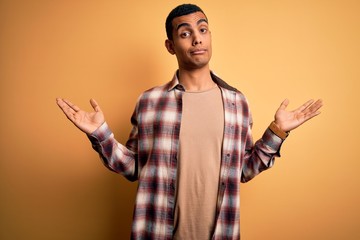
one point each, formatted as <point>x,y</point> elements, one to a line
<point>203,30</point>
<point>185,34</point>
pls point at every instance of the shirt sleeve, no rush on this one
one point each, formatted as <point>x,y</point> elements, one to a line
<point>115,156</point>
<point>261,155</point>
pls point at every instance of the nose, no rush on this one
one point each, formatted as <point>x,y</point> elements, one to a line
<point>196,42</point>
<point>197,39</point>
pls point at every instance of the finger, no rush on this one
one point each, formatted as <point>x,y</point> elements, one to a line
<point>318,104</point>
<point>67,110</point>
<point>62,104</point>
<point>309,116</point>
<point>59,102</point>
<point>305,105</point>
<point>71,105</point>
<point>95,105</point>
<point>313,110</point>
<point>315,106</point>
<point>284,104</point>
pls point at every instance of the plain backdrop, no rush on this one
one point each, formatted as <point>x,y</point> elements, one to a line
<point>53,185</point>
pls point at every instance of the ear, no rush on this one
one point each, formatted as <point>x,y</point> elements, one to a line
<point>170,46</point>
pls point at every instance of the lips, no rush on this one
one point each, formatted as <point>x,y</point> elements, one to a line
<point>198,51</point>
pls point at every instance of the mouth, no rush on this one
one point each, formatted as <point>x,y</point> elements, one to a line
<point>198,51</point>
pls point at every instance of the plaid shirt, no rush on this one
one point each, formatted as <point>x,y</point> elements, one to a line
<point>151,153</point>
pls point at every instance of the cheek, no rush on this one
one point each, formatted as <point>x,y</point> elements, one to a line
<point>210,44</point>
<point>209,39</point>
<point>181,48</point>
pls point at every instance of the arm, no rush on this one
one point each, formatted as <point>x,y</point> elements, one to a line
<point>260,156</point>
<point>115,156</point>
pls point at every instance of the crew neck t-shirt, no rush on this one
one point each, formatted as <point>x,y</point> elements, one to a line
<point>201,136</point>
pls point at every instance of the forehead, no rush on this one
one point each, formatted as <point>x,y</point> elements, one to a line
<point>191,19</point>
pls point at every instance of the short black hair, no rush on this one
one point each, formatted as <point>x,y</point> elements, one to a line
<point>180,10</point>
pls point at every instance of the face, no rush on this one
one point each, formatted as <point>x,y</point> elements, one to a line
<point>191,41</point>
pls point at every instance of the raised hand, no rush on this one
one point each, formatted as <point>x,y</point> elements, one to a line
<point>289,120</point>
<point>87,122</point>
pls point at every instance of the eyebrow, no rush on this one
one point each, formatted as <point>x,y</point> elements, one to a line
<point>188,25</point>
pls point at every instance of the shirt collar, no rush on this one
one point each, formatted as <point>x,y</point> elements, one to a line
<point>175,84</point>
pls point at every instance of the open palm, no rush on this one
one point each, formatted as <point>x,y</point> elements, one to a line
<point>289,120</point>
<point>87,122</point>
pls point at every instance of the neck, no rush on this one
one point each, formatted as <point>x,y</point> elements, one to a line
<point>196,80</point>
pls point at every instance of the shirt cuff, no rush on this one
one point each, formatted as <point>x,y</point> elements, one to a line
<point>276,130</point>
<point>101,133</point>
<point>272,140</point>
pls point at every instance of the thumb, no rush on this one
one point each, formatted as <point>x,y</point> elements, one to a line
<point>95,105</point>
<point>284,104</point>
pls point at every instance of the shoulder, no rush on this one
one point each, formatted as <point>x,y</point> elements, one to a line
<point>224,85</point>
<point>228,90</point>
<point>154,92</point>
<point>154,96</point>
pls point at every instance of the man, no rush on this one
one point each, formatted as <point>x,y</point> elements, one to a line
<point>191,143</point>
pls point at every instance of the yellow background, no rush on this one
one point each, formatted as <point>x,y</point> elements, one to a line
<point>52,184</point>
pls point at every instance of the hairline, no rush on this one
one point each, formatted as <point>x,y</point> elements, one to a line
<point>180,10</point>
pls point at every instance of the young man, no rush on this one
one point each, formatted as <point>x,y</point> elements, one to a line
<point>191,143</point>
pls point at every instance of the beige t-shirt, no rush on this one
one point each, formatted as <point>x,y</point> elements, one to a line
<point>201,135</point>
